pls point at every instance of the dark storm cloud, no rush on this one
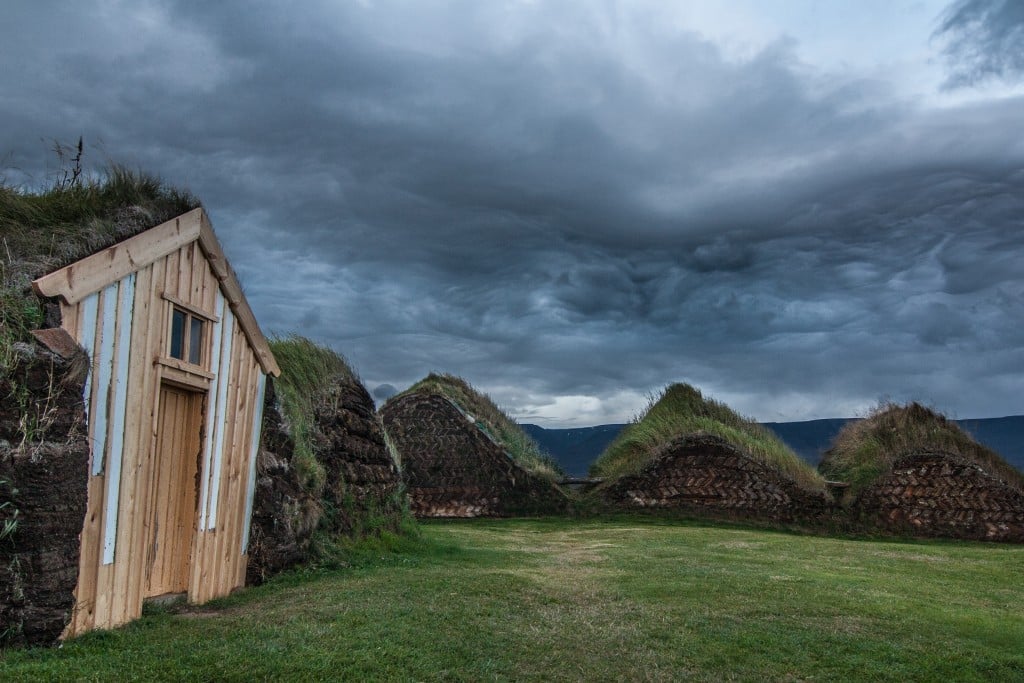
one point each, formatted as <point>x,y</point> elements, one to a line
<point>561,200</point>
<point>985,39</point>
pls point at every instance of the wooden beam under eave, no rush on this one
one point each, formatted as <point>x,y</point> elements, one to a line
<point>80,279</point>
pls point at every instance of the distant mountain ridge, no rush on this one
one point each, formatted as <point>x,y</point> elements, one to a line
<point>575,449</point>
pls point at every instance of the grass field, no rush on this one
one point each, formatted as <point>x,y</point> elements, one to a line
<point>628,598</point>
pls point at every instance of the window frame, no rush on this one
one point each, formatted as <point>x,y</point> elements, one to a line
<point>189,315</point>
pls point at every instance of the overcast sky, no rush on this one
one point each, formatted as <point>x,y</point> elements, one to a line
<point>799,208</point>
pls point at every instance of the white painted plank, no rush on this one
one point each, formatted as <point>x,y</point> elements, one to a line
<point>103,371</point>
<point>211,411</point>
<point>223,379</point>
<point>257,428</point>
<point>118,409</point>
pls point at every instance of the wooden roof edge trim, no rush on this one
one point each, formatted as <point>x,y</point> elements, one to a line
<point>78,280</point>
<point>232,291</point>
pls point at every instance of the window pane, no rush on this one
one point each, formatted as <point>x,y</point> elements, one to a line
<point>178,334</point>
<point>195,341</point>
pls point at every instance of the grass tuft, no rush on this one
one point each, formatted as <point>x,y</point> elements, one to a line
<point>490,418</point>
<point>867,449</point>
<point>41,231</point>
<point>681,409</point>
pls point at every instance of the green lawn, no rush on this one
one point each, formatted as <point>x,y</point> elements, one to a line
<point>630,598</point>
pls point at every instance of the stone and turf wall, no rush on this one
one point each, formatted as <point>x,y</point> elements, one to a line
<point>932,493</point>
<point>453,469</point>
<point>362,489</point>
<point>285,513</point>
<point>44,458</point>
<point>707,476</point>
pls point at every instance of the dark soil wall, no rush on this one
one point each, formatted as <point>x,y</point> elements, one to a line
<point>707,476</point>
<point>364,486</point>
<point>453,469</point>
<point>284,514</point>
<point>363,491</point>
<point>941,494</point>
<point>44,479</point>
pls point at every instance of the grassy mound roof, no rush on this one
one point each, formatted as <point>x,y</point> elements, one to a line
<point>41,231</point>
<point>681,409</point>
<point>305,367</point>
<point>503,429</point>
<point>867,449</point>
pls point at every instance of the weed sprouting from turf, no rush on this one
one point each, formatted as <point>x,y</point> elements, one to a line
<point>866,449</point>
<point>492,420</point>
<point>681,409</point>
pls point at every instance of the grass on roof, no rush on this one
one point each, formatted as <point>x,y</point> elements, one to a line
<point>43,230</point>
<point>681,409</point>
<point>489,417</point>
<point>305,367</point>
<point>867,449</point>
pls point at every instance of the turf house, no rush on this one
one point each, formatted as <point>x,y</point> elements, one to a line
<point>145,388</point>
<point>462,457</point>
<point>690,454</point>
<point>913,471</point>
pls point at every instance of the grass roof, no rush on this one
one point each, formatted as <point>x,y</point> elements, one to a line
<point>490,418</point>
<point>305,368</point>
<point>41,231</point>
<point>867,449</point>
<point>681,409</point>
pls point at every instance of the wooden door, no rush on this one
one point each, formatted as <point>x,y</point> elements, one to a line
<point>175,499</point>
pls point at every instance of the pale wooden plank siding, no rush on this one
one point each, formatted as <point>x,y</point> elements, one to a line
<point>257,431</point>
<point>115,305</point>
<point>211,416</point>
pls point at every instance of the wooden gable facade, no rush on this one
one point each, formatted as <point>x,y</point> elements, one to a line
<point>174,404</point>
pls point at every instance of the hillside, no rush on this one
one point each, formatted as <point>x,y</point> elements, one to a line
<point>574,449</point>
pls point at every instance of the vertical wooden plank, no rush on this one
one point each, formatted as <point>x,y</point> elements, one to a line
<point>171,273</point>
<point>184,272</point>
<point>83,616</point>
<point>211,411</point>
<point>107,313</point>
<point>245,453</point>
<point>224,418</point>
<point>200,580</point>
<point>69,318</point>
<point>104,400</point>
<point>250,486</point>
<point>235,486</point>
<point>87,314</point>
<point>120,480</point>
<point>199,268</point>
<point>86,336</point>
<point>143,382</point>
<point>223,485</point>
<point>187,507</point>
<point>118,406</point>
<point>211,287</point>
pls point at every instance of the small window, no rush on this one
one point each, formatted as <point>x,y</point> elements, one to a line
<point>187,336</point>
